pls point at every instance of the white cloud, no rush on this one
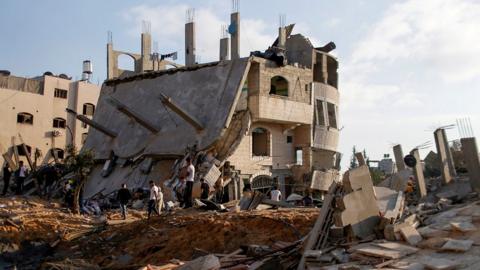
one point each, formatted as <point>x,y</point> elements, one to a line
<point>168,21</point>
<point>413,69</point>
<point>441,34</point>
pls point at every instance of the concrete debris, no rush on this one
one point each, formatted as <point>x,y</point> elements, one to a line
<point>457,245</point>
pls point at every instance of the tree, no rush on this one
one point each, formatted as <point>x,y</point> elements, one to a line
<point>80,163</point>
<point>353,160</point>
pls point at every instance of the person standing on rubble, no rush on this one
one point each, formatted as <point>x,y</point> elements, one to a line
<point>205,189</point>
<point>152,203</point>
<point>189,183</point>
<point>6,179</point>
<point>123,197</point>
<point>275,194</point>
<point>20,175</point>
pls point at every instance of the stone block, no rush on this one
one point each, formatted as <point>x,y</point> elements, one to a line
<point>411,235</point>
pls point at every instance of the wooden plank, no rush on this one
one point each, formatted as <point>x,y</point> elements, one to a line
<point>314,234</point>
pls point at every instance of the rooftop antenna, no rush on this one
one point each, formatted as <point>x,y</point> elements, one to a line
<point>146,27</point>
<point>282,20</point>
<point>190,15</point>
<point>109,37</point>
<point>235,6</point>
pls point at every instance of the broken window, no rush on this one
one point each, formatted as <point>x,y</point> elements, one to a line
<point>59,122</point>
<point>88,109</point>
<point>299,156</point>
<point>60,93</point>
<point>84,137</point>
<point>289,139</point>
<point>59,153</point>
<point>320,115</point>
<point>332,115</point>
<point>25,118</point>
<point>260,142</point>
<point>21,152</point>
<point>279,86</point>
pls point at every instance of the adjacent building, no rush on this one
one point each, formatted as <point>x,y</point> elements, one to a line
<point>34,114</point>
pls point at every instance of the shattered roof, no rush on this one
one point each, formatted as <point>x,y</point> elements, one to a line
<point>208,92</point>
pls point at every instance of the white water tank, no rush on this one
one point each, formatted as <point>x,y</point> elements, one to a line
<point>87,67</point>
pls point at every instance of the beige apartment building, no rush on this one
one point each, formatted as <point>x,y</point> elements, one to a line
<point>33,111</point>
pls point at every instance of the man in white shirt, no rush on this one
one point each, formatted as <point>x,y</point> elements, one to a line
<point>20,176</point>
<point>189,183</point>
<point>154,196</point>
<point>275,194</point>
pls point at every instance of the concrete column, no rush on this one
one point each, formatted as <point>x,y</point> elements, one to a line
<point>71,128</point>
<point>190,46</point>
<point>112,64</point>
<point>235,44</point>
<point>418,172</point>
<point>146,52</point>
<point>224,49</point>
<point>470,154</point>
<point>451,164</point>
<point>282,37</point>
<point>398,154</point>
<point>442,155</point>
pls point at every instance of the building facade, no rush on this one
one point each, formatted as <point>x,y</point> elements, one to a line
<point>34,113</point>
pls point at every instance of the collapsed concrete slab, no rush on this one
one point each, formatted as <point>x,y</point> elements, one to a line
<point>358,209</point>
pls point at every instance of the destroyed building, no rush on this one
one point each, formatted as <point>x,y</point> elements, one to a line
<point>267,119</point>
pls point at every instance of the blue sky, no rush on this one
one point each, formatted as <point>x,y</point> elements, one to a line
<point>406,67</point>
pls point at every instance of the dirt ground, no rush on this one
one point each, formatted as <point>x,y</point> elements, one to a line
<point>139,241</point>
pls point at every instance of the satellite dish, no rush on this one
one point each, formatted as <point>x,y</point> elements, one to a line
<point>410,161</point>
<point>232,29</point>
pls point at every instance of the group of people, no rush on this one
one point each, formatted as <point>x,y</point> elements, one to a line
<point>19,176</point>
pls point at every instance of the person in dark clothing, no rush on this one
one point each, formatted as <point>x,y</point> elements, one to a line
<point>124,196</point>
<point>154,196</point>
<point>7,174</point>
<point>205,189</point>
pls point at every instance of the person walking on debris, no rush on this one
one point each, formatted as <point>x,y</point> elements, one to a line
<point>159,201</point>
<point>189,183</point>
<point>275,194</point>
<point>6,179</point>
<point>20,175</point>
<point>124,196</point>
<point>307,200</point>
<point>153,199</point>
<point>205,189</point>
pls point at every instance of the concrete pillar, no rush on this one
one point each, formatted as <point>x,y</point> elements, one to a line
<point>451,164</point>
<point>442,155</point>
<point>398,154</point>
<point>111,62</point>
<point>190,46</point>
<point>418,172</point>
<point>146,52</point>
<point>282,37</point>
<point>235,44</point>
<point>360,159</point>
<point>224,49</point>
<point>470,154</point>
